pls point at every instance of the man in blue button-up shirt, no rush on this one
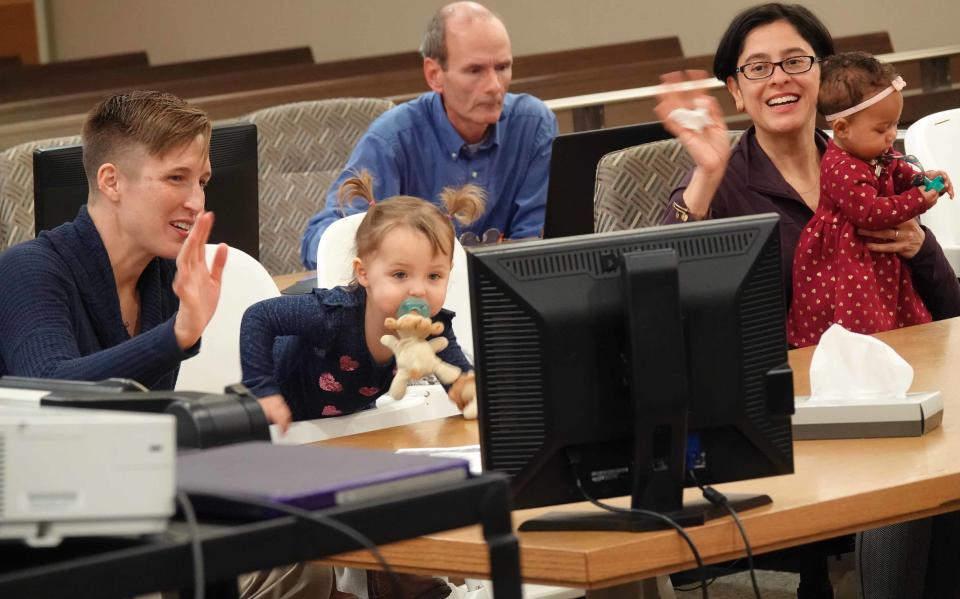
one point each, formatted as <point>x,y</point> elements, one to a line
<point>467,130</point>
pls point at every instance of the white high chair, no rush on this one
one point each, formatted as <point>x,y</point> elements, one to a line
<point>244,283</point>
<point>934,140</point>
<point>336,251</point>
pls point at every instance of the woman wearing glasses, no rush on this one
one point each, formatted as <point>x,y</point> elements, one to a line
<point>769,58</point>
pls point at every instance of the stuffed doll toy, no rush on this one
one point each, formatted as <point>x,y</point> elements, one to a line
<point>417,356</point>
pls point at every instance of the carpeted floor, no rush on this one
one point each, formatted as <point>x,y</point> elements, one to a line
<point>773,585</point>
<point>778,585</point>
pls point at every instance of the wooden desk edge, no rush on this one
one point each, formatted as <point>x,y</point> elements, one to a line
<point>285,280</point>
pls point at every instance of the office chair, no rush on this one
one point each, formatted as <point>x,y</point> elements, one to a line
<point>302,148</point>
<point>634,184</point>
<point>16,188</point>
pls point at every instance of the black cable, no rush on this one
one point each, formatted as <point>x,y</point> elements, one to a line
<point>720,500</point>
<point>697,586</point>
<point>656,516</point>
<point>196,548</point>
<point>322,520</point>
<point>746,544</point>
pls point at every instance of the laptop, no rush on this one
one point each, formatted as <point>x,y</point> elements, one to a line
<point>573,173</point>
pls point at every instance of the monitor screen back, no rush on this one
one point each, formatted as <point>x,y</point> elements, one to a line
<point>573,173</point>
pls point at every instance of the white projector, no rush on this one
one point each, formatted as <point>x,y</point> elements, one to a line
<point>70,472</point>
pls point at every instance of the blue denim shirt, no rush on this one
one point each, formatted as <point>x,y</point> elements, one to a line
<point>414,150</point>
<point>312,349</point>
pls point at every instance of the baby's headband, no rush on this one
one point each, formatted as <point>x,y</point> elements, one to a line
<point>895,85</point>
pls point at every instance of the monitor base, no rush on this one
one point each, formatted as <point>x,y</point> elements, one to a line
<point>694,513</point>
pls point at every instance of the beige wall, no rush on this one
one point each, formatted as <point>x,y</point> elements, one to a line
<point>175,30</point>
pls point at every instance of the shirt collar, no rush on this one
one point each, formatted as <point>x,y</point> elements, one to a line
<point>349,296</point>
<point>761,174</point>
<point>450,138</point>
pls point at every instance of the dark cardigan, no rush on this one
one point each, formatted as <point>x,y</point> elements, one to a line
<point>60,312</point>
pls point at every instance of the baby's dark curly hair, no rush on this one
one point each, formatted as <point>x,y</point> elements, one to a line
<point>846,79</point>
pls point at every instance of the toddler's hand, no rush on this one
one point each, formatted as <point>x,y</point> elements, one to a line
<point>947,184</point>
<point>464,390</point>
<point>276,410</point>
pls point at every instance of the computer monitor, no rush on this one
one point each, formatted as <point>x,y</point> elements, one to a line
<point>628,359</point>
<point>573,173</point>
<point>60,187</point>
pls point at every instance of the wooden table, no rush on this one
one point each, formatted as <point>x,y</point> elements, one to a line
<point>284,281</point>
<point>839,487</point>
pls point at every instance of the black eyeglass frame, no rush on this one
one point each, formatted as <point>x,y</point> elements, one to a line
<point>742,69</point>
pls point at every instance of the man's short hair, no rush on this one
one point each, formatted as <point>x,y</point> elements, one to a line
<point>158,121</point>
<point>434,43</point>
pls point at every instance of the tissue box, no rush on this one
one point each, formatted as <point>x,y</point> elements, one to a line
<point>913,416</point>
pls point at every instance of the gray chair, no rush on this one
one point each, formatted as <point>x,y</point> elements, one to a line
<point>302,148</point>
<point>634,184</point>
<point>16,189</point>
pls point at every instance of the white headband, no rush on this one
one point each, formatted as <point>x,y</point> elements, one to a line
<point>895,85</point>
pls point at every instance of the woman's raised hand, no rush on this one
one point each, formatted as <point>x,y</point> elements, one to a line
<point>197,286</point>
<point>709,147</point>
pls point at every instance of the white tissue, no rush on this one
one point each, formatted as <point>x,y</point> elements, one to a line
<point>695,119</point>
<point>849,367</point>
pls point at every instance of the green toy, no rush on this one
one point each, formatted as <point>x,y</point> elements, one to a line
<point>936,184</point>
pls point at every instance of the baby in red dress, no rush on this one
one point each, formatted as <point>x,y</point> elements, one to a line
<point>863,185</point>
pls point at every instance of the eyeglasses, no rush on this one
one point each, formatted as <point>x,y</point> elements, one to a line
<point>792,66</point>
<point>489,237</point>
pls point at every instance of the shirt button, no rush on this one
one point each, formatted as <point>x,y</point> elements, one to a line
<point>474,174</point>
<point>453,155</point>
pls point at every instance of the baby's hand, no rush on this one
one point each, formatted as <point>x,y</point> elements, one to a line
<point>930,196</point>
<point>276,410</point>
<point>947,184</point>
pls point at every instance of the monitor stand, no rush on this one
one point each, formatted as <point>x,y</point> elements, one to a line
<point>693,513</point>
<point>658,388</point>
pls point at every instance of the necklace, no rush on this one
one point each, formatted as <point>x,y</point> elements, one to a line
<point>806,191</point>
<point>130,320</point>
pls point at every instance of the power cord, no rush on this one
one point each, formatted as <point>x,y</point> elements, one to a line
<point>196,549</point>
<point>720,500</point>
<point>302,514</point>
<point>655,516</point>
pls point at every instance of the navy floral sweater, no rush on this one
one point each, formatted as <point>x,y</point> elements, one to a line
<point>312,349</point>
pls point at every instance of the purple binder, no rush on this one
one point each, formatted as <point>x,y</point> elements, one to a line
<point>311,476</point>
